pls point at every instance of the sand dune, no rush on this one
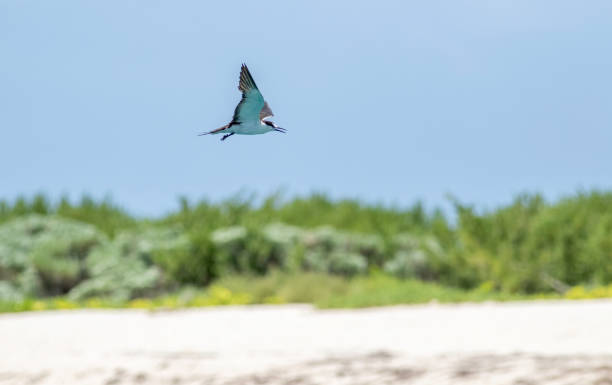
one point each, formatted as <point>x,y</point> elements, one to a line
<point>513,343</point>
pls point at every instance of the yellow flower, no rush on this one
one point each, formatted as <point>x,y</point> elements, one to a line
<point>60,303</point>
<point>39,305</point>
<point>576,292</point>
<point>140,303</point>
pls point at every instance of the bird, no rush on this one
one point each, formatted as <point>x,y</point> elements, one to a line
<point>251,112</point>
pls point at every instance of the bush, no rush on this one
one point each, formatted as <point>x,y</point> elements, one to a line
<point>328,250</point>
<point>124,269</point>
<point>57,269</point>
<point>243,250</point>
<point>415,257</point>
<point>347,263</point>
<point>193,263</point>
<point>9,293</point>
<point>530,246</point>
<point>526,246</point>
<point>44,255</point>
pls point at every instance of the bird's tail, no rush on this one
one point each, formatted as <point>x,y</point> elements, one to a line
<point>217,131</point>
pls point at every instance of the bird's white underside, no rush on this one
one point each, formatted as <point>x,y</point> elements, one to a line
<point>250,128</point>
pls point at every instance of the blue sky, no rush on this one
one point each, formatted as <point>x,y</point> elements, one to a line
<point>385,101</point>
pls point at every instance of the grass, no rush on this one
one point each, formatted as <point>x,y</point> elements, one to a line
<point>324,291</point>
<point>376,289</point>
<point>382,290</point>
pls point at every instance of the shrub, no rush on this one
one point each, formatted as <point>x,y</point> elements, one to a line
<point>9,293</point>
<point>194,262</point>
<point>347,263</point>
<point>57,269</point>
<point>526,246</point>
<point>124,269</point>
<point>415,257</point>
<point>329,250</point>
<point>243,250</point>
<point>44,255</point>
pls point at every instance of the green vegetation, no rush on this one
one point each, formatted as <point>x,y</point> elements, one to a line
<point>315,250</point>
<point>323,290</point>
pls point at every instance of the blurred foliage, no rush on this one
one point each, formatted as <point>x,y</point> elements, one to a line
<point>323,290</point>
<point>124,268</point>
<point>104,215</point>
<point>95,250</point>
<point>384,290</point>
<point>44,255</point>
<point>532,246</point>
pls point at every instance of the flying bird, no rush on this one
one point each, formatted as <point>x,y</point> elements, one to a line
<point>251,113</point>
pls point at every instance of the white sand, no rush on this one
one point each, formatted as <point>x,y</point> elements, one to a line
<point>513,343</point>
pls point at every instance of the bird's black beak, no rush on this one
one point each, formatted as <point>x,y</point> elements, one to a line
<point>280,129</point>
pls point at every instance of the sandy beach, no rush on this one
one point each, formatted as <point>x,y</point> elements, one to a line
<point>548,342</point>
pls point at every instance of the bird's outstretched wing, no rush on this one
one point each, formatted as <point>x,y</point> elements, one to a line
<point>252,106</point>
<point>265,112</point>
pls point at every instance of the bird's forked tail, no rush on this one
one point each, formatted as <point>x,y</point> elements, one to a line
<point>217,131</point>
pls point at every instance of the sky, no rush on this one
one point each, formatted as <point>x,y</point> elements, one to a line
<point>384,101</point>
